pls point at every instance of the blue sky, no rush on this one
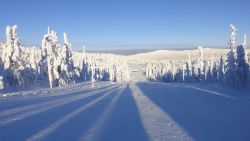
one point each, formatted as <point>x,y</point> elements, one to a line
<point>128,23</point>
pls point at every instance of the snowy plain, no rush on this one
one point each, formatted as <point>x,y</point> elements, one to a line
<point>138,110</point>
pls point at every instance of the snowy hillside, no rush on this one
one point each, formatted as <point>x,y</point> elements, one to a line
<point>55,64</point>
<point>129,111</point>
<point>229,67</point>
<point>183,54</point>
<point>54,93</point>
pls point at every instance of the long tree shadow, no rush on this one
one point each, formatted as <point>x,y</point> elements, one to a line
<point>34,123</point>
<point>74,128</point>
<point>9,103</point>
<point>28,108</point>
<point>124,122</point>
<point>204,116</point>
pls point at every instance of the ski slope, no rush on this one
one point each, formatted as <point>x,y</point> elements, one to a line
<point>134,111</point>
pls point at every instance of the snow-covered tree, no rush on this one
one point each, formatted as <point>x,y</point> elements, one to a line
<point>209,77</point>
<point>231,66</point>
<point>11,58</point>
<point>246,54</point>
<point>66,67</point>
<point>188,72</point>
<point>201,64</point>
<point>245,48</point>
<point>242,66</point>
<point>57,63</point>
<point>195,71</point>
<point>50,58</point>
<point>221,70</point>
<point>214,72</point>
<point>183,72</point>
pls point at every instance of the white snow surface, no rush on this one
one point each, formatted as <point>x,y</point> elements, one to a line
<point>133,111</point>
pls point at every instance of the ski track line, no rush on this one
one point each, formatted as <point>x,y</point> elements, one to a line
<point>52,127</point>
<point>158,124</point>
<point>58,103</point>
<point>200,89</point>
<point>41,104</point>
<point>92,133</point>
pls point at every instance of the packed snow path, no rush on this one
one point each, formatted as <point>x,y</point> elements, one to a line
<point>136,71</point>
<point>135,111</point>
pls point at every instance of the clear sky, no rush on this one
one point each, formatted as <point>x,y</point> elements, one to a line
<point>128,23</point>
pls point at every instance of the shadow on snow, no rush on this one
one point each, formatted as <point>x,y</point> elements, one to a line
<point>204,115</point>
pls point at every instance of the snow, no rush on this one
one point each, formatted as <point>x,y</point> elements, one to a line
<point>107,97</point>
<point>138,110</point>
<point>134,110</point>
<point>57,65</point>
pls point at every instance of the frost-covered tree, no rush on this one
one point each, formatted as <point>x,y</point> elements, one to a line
<point>214,72</point>
<point>67,66</point>
<point>11,58</point>
<point>12,52</point>
<point>221,70</point>
<point>245,48</point>
<point>200,74</point>
<point>57,63</point>
<point>84,73</point>
<point>242,66</point>
<point>50,56</point>
<point>44,54</point>
<point>246,54</point>
<point>173,72</point>
<point>195,71</point>
<point>201,56</point>
<point>208,67</point>
<point>183,72</point>
<point>188,73</point>
<point>231,66</point>
<point>209,77</point>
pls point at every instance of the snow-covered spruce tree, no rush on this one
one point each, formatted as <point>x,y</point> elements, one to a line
<point>84,73</point>
<point>242,66</point>
<point>150,71</point>
<point>170,71</point>
<point>200,75</point>
<point>205,68</point>
<point>246,54</point>
<point>49,59</point>
<point>11,58</point>
<point>183,72</point>
<point>147,70</point>
<point>82,67</point>
<point>209,77</point>
<point>221,70</point>
<point>231,66</point>
<point>173,72</point>
<point>50,48</point>
<point>44,54</point>
<point>188,72</point>
<point>33,62</point>
<point>57,60</point>
<point>195,71</point>
<point>66,66</point>
<point>214,72</point>
<point>245,48</point>
<point>31,58</point>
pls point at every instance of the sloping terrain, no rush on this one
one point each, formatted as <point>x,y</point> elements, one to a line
<point>129,111</point>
